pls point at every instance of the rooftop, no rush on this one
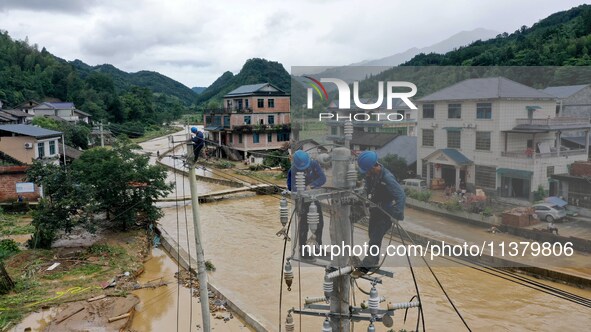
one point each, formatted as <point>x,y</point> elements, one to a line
<point>372,139</point>
<point>563,91</point>
<point>26,130</point>
<point>255,89</point>
<point>486,88</point>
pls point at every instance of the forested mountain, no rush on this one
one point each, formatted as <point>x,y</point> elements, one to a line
<point>254,71</point>
<point>560,41</point>
<point>154,81</point>
<point>198,89</point>
<point>563,38</point>
<point>108,94</point>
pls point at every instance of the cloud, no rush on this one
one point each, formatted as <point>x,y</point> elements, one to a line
<point>62,6</point>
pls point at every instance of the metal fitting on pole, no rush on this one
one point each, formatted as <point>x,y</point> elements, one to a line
<point>289,323</point>
<point>340,272</point>
<point>288,275</point>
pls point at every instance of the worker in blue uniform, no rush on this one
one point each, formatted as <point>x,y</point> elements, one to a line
<point>388,199</point>
<point>315,178</point>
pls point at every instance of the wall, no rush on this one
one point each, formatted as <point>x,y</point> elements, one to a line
<point>9,176</point>
<point>15,147</point>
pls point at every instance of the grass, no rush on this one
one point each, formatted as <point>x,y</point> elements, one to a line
<point>15,225</point>
<point>77,277</point>
<point>151,134</point>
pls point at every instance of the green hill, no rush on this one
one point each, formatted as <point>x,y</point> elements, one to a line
<point>558,42</point>
<point>107,93</point>
<point>561,39</point>
<point>154,81</point>
<point>254,71</point>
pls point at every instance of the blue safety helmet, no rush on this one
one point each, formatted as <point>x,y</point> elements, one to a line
<point>367,160</point>
<point>301,160</point>
<point>194,130</point>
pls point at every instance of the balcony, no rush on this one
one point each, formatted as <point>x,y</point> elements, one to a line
<point>529,154</point>
<point>231,110</point>
<point>558,123</point>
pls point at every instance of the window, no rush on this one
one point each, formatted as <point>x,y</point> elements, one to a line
<point>247,119</point>
<point>483,140</point>
<point>484,111</point>
<point>228,103</point>
<point>454,139</point>
<point>240,138</point>
<point>485,177</point>
<point>255,138</point>
<point>428,111</point>
<point>246,103</point>
<point>271,103</point>
<point>261,103</point>
<point>549,171</point>
<point>282,137</point>
<point>41,149</point>
<point>334,130</point>
<point>52,148</point>
<point>454,111</point>
<point>271,119</point>
<point>231,138</point>
<point>269,137</point>
<point>428,137</point>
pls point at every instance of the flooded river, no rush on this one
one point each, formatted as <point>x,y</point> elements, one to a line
<point>239,238</point>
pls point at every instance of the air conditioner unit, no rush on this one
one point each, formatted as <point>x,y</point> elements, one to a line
<point>28,145</point>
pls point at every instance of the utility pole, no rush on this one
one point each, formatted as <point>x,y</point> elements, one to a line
<point>201,272</point>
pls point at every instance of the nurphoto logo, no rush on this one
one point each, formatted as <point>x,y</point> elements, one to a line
<point>345,93</point>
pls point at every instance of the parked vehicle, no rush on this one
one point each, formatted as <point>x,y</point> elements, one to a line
<point>415,184</point>
<point>549,212</point>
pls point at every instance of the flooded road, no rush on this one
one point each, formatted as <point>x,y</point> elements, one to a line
<point>157,310</point>
<point>239,238</point>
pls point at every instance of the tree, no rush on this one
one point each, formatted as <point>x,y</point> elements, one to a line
<point>118,182</point>
<point>61,209</point>
<point>125,185</point>
<point>395,164</point>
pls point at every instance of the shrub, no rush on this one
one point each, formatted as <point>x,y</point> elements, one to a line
<point>8,248</point>
<point>423,196</point>
<point>224,164</point>
<point>452,205</point>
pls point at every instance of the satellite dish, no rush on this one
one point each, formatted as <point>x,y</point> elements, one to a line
<point>387,320</point>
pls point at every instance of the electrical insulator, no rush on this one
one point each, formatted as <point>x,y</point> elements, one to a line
<point>327,286</point>
<point>374,301</point>
<point>326,326</point>
<point>283,211</point>
<point>313,218</point>
<point>348,130</point>
<point>352,176</point>
<point>288,275</point>
<point>300,181</point>
<point>289,323</point>
<point>371,328</point>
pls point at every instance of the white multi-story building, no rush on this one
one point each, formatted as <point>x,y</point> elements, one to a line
<point>494,134</point>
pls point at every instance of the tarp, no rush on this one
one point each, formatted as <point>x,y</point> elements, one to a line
<point>556,201</point>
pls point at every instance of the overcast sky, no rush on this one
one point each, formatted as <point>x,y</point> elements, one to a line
<point>195,41</point>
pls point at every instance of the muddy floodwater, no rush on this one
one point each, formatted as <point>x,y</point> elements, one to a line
<point>239,238</point>
<point>168,308</point>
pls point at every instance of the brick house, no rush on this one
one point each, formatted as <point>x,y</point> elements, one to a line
<point>254,118</point>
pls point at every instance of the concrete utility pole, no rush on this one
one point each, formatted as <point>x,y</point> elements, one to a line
<point>201,272</point>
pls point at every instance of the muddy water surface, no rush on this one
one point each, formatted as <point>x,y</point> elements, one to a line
<point>239,237</point>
